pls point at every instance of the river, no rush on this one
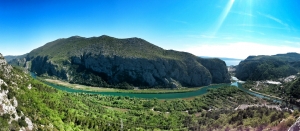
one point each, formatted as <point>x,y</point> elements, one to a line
<point>143,95</point>
<point>201,91</point>
<point>239,85</point>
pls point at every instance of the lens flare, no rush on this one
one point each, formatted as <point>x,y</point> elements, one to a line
<point>223,16</point>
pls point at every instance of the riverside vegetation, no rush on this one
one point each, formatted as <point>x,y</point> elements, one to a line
<point>288,91</point>
<point>257,69</point>
<point>122,89</point>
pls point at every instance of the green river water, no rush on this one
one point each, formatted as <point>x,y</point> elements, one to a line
<point>201,91</point>
<point>142,95</point>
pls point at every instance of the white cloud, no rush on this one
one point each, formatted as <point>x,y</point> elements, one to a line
<point>239,50</point>
<point>294,43</point>
<point>275,19</point>
<point>262,26</point>
<point>289,42</point>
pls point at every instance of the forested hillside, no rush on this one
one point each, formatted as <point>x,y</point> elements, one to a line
<point>268,67</point>
<point>293,91</point>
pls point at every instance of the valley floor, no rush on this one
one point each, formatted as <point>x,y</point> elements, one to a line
<point>103,89</point>
<point>52,109</point>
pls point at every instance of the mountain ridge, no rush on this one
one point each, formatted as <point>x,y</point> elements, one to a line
<point>265,67</point>
<point>105,61</point>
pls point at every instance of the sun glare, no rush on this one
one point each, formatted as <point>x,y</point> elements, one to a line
<point>223,16</point>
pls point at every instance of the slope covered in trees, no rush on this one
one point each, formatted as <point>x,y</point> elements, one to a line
<point>51,109</point>
<point>268,67</point>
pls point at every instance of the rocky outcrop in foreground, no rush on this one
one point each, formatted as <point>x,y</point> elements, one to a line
<point>8,102</point>
<point>295,126</point>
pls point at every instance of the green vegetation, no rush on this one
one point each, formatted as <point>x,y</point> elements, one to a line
<point>268,67</point>
<point>101,89</point>
<point>289,92</point>
<point>270,89</point>
<point>51,109</point>
<point>293,91</point>
<point>66,111</point>
<point>208,101</point>
<point>62,49</point>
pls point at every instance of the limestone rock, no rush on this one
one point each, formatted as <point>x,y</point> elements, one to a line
<point>8,105</point>
<point>2,60</point>
<point>217,69</point>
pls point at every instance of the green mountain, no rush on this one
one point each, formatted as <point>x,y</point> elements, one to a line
<point>12,57</point>
<point>111,62</point>
<point>268,67</point>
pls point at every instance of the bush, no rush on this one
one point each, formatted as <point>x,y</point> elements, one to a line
<point>6,116</point>
<point>3,123</point>
<point>22,122</point>
<point>10,95</point>
<point>14,126</point>
<point>4,87</point>
<point>18,110</point>
<point>23,118</point>
<point>124,85</point>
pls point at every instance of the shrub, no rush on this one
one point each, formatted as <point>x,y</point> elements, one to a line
<point>6,116</point>
<point>22,122</point>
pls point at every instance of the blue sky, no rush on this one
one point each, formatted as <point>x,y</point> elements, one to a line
<point>218,28</point>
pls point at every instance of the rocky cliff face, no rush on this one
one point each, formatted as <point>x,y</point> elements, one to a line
<point>104,61</point>
<point>2,60</point>
<point>217,69</point>
<point>44,66</point>
<point>4,67</point>
<point>143,72</point>
<point>8,102</point>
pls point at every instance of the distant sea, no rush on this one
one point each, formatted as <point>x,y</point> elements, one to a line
<point>228,61</point>
<point>231,61</point>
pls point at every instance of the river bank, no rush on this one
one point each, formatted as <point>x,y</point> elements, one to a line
<point>136,90</point>
<point>185,93</point>
<point>173,95</point>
